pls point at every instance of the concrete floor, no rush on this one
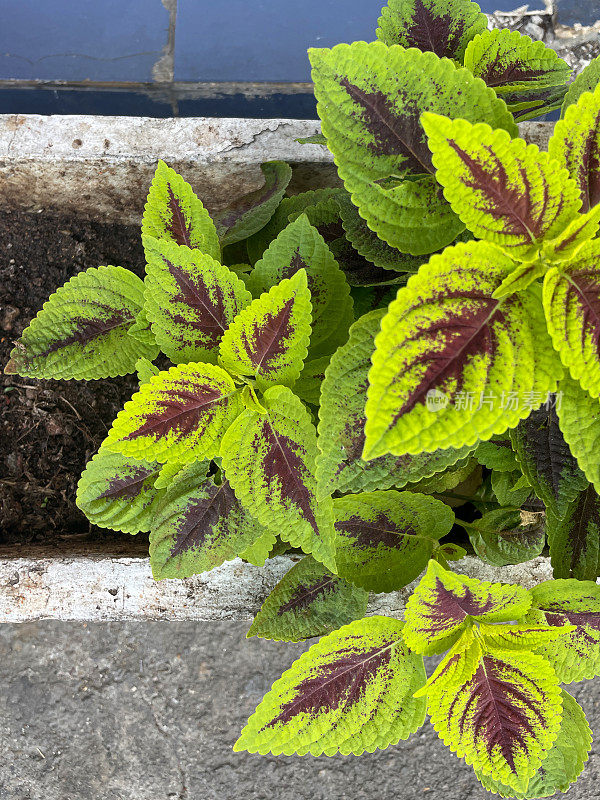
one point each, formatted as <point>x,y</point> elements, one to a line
<point>149,711</point>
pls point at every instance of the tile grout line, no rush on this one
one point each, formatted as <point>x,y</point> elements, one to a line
<point>163,71</point>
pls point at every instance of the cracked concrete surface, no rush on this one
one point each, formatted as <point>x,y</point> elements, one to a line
<point>150,711</point>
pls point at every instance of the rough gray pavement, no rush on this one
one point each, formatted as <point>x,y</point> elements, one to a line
<point>150,711</point>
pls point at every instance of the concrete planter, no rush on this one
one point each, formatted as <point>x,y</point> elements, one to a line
<point>100,168</point>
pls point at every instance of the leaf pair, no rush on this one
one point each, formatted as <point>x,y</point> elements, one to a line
<point>182,414</point>
<point>371,121</point>
<point>495,699</point>
<point>192,300</point>
<point>456,344</point>
<point>268,448</point>
<point>371,96</point>
<point>529,76</point>
<point>195,523</point>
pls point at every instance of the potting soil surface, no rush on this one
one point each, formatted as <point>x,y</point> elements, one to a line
<point>50,429</point>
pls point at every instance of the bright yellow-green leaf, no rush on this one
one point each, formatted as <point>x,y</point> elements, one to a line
<point>504,190</point>
<point>453,365</point>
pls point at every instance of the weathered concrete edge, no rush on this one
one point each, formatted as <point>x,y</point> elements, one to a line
<point>105,589</point>
<point>77,138</point>
<point>101,167</point>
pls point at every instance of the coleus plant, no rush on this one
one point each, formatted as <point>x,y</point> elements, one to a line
<point>324,386</point>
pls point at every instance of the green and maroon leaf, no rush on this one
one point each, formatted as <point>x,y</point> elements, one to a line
<point>83,329</point>
<point>503,190</point>
<point>191,300</point>
<point>443,26</point>
<point>300,246</point>
<point>342,421</point>
<point>572,306</point>
<point>372,125</point>
<point>251,212</point>
<point>180,415</point>
<point>452,364</point>
<point>198,525</point>
<point>526,105</point>
<point>504,718</point>
<point>574,537</point>
<point>119,492</point>
<point>503,537</point>
<point>545,458</point>
<point>443,604</point>
<point>351,692</point>
<point>269,459</point>
<point>268,340</point>
<point>575,144</point>
<point>561,765</point>
<point>576,655</point>
<point>308,601</point>
<point>174,212</point>
<point>519,70</point>
<point>385,539</point>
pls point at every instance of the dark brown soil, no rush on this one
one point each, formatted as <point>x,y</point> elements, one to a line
<point>49,429</point>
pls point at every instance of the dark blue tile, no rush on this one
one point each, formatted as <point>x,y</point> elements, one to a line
<point>48,100</point>
<point>584,11</point>
<point>81,101</point>
<point>264,40</point>
<point>284,106</point>
<point>102,40</point>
